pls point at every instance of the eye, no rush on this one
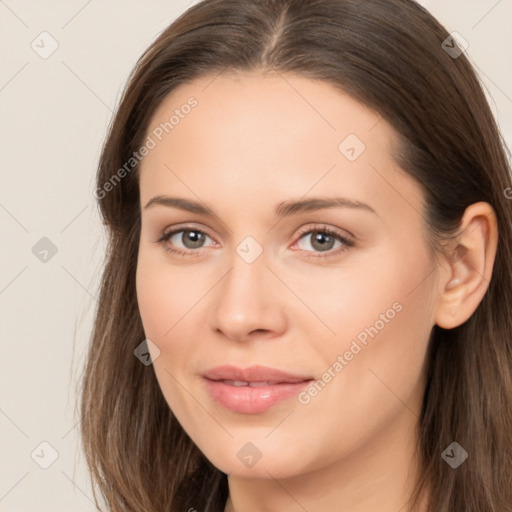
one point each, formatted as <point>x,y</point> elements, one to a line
<point>191,239</point>
<point>323,240</point>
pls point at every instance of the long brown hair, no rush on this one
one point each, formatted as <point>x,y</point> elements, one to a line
<point>391,55</point>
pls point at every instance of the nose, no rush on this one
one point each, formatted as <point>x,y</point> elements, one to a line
<point>248,303</point>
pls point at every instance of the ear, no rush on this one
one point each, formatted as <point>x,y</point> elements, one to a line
<point>470,260</point>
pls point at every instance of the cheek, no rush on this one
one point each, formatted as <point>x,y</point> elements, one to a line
<point>172,304</point>
<point>382,314</point>
<point>154,302</point>
<point>164,298</point>
<point>354,295</point>
<point>165,293</point>
<point>385,316</point>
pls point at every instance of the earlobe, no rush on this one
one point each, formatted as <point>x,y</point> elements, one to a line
<point>470,263</point>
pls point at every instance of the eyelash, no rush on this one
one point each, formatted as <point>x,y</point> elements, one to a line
<point>347,242</point>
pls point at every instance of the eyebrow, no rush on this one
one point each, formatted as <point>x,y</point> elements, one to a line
<point>283,209</point>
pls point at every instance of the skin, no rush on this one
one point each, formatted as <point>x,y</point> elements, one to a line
<point>253,141</point>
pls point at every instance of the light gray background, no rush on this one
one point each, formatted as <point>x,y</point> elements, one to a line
<point>54,113</point>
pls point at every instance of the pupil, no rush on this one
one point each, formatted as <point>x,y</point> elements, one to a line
<point>323,239</point>
<point>195,238</point>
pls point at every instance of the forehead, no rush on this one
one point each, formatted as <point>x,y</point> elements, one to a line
<point>271,134</point>
<point>258,103</point>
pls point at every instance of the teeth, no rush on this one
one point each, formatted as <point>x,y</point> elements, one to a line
<point>239,383</point>
<point>259,384</point>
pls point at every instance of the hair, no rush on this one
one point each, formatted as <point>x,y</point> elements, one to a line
<point>388,55</point>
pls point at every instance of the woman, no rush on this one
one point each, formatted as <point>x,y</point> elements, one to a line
<point>309,238</point>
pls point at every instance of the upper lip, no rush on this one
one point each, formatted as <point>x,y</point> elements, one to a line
<point>252,374</point>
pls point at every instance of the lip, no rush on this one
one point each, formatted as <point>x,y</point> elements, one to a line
<point>253,374</point>
<point>271,386</point>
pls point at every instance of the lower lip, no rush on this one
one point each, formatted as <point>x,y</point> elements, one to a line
<point>252,400</point>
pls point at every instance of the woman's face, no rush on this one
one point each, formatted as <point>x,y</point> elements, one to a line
<point>259,282</point>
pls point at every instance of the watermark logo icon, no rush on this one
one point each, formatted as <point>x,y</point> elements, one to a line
<point>454,45</point>
<point>147,352</point>
<point>44,45</point>
<point>249,454</point>
<point>351,147</point>
<point>249,249</point>
<point>44,455</point>
<point>454,455</point>
<point>44,250</point>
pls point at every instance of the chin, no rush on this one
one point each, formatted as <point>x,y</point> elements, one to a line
<point>247,463</point>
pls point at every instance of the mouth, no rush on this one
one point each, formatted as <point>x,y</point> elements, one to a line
<point>253,384</point>
<point>253,374</point>
<point>252,390</point>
